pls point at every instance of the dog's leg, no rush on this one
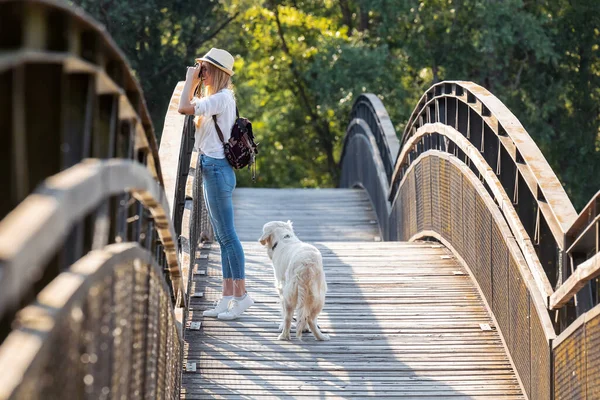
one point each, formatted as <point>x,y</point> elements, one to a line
<point>316,331</point>
<point>287,321</point>
<point>280,291</point>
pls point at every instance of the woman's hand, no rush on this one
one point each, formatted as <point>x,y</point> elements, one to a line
<point>193,74</point>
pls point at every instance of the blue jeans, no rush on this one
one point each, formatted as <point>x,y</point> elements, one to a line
<point>218,180</point>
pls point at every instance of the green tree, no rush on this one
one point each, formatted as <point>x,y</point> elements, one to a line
<point>301,63</point>
<point>159,39</point>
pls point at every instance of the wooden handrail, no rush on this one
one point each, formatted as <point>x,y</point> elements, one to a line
<point>44,218</point>
<point>584,272</point>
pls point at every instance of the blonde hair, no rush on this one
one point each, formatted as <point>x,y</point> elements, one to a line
<point>220,79</point>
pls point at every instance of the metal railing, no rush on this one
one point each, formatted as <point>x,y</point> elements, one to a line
<point>92,283</point>
<point>468,175</point>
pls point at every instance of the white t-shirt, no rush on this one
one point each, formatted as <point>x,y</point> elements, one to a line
<point>221,104</point>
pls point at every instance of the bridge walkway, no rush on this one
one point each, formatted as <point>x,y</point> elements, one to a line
<point>404,318</point>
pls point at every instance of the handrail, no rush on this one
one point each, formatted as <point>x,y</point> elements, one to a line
<point>171,146</point>
<point>459,126</point>
<point>585,220</point>
<point>585,272</point>
<point>478,161</point>
<point>55,325</point>
<point>47,216</point>
<point>521,146</point>
<point>100,100</point>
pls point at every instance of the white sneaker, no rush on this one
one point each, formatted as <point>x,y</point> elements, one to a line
<point>236,308</point>
<point>220,306</point>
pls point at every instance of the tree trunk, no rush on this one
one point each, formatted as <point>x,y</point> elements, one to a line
<point>364,18</point>
<point>346,15</point>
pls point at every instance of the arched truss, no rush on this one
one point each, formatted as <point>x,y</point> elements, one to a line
<point>469,175</point>
<point>539,199</point>
<point>455,142</point>
<point>69,94</point>
<point>460,212</point>
<point>30,234</point>
<point>370,111</point>
<point>106,325</point>
<point>370,137</point>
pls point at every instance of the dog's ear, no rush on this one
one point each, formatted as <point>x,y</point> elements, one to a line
<point>265,238</point>
<point>290,224</point>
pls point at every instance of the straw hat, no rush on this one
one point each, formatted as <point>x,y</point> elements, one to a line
<point>220,59</point>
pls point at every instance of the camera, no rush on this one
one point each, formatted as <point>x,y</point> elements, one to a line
<point>203,68</point>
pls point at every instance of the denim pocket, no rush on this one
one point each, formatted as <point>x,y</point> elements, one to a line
<point>227,177</point>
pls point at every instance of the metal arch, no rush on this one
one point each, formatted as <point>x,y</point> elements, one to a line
<point>368,107</point>
<point>541,180</point>
<point>87,49</point>
<point>22,353</point>
<point>506,283</point>
<point>504,203</point>
<point>359,127</point>
<point>45,218</point>
<point>360,139</point>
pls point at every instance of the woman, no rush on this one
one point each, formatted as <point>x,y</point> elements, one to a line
<point>216,69</point>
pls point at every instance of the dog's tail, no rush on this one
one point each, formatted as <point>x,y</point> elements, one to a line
<point>309,284</point>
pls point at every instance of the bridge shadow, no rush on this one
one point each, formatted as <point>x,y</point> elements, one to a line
<point>372,352</point>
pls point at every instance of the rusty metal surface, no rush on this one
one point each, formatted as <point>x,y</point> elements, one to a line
<point>436,218</point>
<point>541,377</point>
<point>592,353</point>
<point>569,367</point>
<point>500,274</point>
<point>457,212</point>
<point>577,358</point>
<point>519,312</point>
<point>444,199</point>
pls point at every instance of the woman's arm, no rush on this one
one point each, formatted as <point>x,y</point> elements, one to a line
<point>191,82</point>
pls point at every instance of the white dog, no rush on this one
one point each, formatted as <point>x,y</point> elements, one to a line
<point>299,278</point>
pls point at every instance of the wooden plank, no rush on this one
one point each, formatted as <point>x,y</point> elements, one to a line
<point>372,338</point>
<point>402,322</point>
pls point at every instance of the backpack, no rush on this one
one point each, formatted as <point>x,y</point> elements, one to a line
<point>240,150</point>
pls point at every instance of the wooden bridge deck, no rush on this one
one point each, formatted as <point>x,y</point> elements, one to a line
<point>404,318</point>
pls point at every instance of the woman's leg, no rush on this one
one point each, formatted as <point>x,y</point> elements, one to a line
<point>209,184</point>
<point>220,202</point>
<point>219,198</point>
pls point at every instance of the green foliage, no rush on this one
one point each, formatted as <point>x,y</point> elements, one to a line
<point>301,64</point>
<point>159,39</point>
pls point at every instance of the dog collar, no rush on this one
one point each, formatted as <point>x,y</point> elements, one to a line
<point>276,243</point>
